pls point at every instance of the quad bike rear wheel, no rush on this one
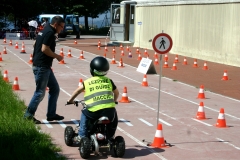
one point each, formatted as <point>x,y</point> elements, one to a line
<point>85,147</point>
<point>119,146</point>
<point>68,135</point>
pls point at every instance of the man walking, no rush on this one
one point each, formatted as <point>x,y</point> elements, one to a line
<point>32,28</point>
<point>43,56</point>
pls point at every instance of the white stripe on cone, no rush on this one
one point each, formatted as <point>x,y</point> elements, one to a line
<point>221,116</point>
<point>159,134</point>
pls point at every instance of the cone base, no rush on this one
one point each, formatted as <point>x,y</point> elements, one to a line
<point>220,126</point>
<point>124,101</point>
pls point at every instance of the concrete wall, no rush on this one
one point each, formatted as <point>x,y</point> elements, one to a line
<point>205,31</point>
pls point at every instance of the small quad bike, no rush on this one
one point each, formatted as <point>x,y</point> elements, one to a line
<point>96,139</point>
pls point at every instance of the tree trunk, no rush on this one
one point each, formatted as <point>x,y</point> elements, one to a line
<point>86,23</point>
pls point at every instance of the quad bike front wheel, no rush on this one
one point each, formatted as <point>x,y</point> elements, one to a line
<point>68,135</point>
<point>119,146</point>
<point>85,147</point>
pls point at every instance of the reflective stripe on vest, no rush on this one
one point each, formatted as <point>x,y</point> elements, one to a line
<point>98,93</point>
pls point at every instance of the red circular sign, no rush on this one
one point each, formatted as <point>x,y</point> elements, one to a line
<point>162,43</point>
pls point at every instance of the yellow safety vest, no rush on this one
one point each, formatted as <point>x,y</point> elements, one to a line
<point>98,93</point>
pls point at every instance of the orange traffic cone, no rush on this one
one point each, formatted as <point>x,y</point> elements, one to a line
<point>201,113</point>
<point>106,49</point>
<point>99,42</point>
<point>61,52</point>
<point>61,62</point>
<point>80,82</point>
<point>16,45</point>
<point>156,61</point>
<point>174,67</point>
<point>69,53</point>
<point>1,57</point>
<point>144,82</point>
<point>113,50</point>
<point>139,57</point>
<point>165,64</point>
<point>137,51</point>
<point>176,59</point>
<point>127,48</point>
<point>99,47</point>
<point>165,57</point>
<point>205,67</point>
<point>4,40</point>
<point>23,48</point>
<point>225,76</point>
<point>195,65</point>
<point>5,76</point>
<point>145,52</point>
<point>4,50</point>
<point>122,53</point>
<point>10,42</point>
<point>121,63</point>
<point>124,96</point>
<point>15,84</point>
<point>155,55</point>
<point>221,122</point>
<point>201,94</point>
<point>130,54</point>
<point>184,61</point>
<point>75,42</point>
<point>147,56</point>
<point>30,60</point>
<point>113,60</point>
<point>158,141</point>
<point>81,55</point>
<point>105,55</point>
<point>121,47</point>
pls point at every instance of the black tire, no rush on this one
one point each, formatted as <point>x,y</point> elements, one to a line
<point>119,146</point>
<point>68,135</point>
<point>85,147</point>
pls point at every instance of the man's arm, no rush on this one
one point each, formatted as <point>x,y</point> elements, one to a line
<point>46,50</point>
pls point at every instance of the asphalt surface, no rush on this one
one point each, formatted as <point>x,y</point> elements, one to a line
<point>177,102</point>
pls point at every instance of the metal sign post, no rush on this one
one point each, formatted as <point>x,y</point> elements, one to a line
<point>162,44</point>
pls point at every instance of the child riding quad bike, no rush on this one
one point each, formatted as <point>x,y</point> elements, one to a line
<point>99,120</point>
<point>97,138</point>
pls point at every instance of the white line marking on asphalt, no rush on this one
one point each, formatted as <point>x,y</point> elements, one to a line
<point>142,144</point>
<point>62,124</point>
<point>201,122</point>
<point>141,103</point>
<point>75,122</point>
<point>205,132</point>
<point>147,123</point>
<point>164,122</point>
<point>47,123</point>
<point>228,143</point>
<point>126,122</point>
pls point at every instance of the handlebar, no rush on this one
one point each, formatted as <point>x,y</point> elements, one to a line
<point>82,102</point>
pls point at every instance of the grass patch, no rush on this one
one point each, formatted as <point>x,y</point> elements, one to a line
<point>174,80</point>
<point>19,138</point>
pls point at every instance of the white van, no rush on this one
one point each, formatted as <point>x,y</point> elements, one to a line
<point>71,23</point>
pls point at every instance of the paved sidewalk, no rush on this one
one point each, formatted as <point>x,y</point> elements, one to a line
<point>211,79</point>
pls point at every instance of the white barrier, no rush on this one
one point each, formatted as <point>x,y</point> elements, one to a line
<point>13,36</point>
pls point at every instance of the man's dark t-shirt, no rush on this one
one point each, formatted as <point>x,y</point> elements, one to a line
<point>46,37</point>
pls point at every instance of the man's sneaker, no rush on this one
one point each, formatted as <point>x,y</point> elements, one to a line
<point>56,117</point>
<point>34,120</point>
